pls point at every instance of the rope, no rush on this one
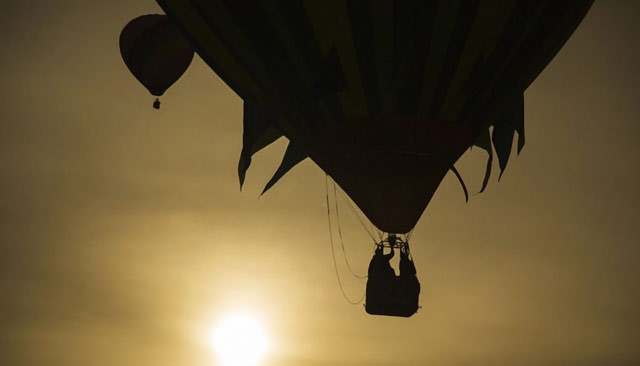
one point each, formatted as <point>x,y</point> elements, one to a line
<point>333,254</point>
<point>366,228</point>
<point>344,253</point>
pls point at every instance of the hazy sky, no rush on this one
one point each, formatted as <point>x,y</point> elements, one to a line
<point>124,236</point>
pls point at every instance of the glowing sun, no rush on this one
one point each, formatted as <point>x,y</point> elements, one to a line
<point>240,340</point>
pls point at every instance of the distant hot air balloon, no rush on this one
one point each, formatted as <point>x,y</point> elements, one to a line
<point>155,51</point>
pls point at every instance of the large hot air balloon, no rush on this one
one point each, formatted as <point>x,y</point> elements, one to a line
<point>384,96</point>
<point>155,51</point>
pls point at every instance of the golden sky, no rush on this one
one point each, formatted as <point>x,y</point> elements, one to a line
<point>124,236</point>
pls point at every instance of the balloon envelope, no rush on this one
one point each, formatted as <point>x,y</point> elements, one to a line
<point>384,96</point>
<point>155,51</point>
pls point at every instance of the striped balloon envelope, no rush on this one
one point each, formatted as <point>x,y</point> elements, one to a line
<point>384,96</point>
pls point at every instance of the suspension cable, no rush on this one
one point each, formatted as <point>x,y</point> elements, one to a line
<point>362,223</point>
<point>344,253</point>
<point>333,254</point>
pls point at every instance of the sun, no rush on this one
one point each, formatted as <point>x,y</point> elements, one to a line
<point>240,340</point>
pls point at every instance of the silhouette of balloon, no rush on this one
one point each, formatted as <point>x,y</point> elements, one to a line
<point>155,51</point>
<point>384,96</point>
